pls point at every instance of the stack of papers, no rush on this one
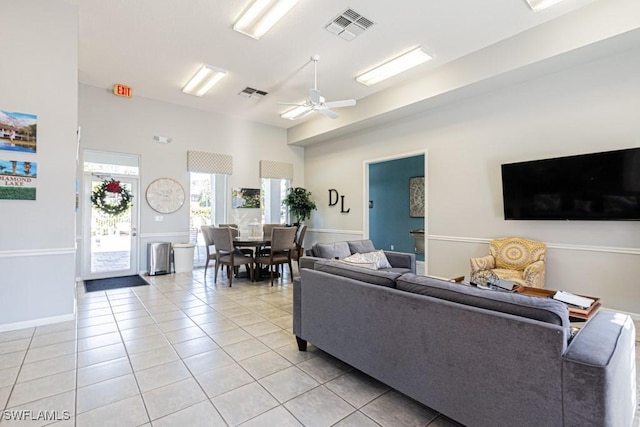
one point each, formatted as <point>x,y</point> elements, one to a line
<point>572,299</point>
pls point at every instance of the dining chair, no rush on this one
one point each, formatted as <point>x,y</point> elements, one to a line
<point>282,246</point>
<point>266,232</point>
<point>226,255</point>
<point>299,252</point>
<point>207,233</point>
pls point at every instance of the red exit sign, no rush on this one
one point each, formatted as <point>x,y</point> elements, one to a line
<point>122,90</point>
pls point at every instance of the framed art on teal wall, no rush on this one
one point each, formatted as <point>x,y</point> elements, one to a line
<point>416,197</point>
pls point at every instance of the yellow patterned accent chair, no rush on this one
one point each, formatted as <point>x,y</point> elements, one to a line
<point>518,260</point>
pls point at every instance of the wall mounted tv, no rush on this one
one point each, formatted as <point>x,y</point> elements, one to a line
<point>598,186</point>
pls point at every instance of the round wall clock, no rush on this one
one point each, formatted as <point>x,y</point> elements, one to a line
<point>165,195</point>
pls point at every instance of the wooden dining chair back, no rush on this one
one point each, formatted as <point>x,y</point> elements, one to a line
<point>207,234</point>
<point>299,252</point>
<point>282,246</point>
<point>226,255</point>
<point>266,229</point>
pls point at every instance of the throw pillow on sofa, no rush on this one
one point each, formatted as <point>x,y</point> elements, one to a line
<point>376,257</point>
<point>358,261</point>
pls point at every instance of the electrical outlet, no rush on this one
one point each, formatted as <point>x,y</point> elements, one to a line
<point>392,248</point>
<point>159,218</point>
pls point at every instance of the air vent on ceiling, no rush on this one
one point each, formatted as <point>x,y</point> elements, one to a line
<point>252,93</point>
<point>348,25</point>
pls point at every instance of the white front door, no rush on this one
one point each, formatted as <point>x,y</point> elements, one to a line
<point>110,242</point>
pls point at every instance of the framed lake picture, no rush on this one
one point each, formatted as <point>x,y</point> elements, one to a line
<point>416,197</point>
<point>18,131</point>
<point>18,180</point>
<point>245,198</point>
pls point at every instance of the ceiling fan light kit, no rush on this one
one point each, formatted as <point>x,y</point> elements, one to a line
<point>203,80</point>
<point>296,112</point>
<point>537,5</point>
<point>396,66</point>
<point>258,18</point>
<point>315,102</point>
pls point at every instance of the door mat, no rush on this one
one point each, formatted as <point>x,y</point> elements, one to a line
<point>113,283</point>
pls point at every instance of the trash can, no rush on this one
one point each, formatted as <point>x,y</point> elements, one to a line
<point>183,257</point>
<point>159,258</point>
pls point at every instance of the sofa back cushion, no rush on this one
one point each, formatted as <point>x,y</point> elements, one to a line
<point>374,277</point>
<point>361,246</point>
<point>542,309</point>
<point>331,250</point>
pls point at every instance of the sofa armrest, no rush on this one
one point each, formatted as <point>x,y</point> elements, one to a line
<point>297,306</point>
<point>483,263</point>
<point>599,373</point>
<point>309,261</point>
<point>401,260</point>
<point>534,274</point>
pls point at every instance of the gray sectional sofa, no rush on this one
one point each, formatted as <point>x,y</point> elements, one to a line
<point>401,262</point>
<point>481,357</point>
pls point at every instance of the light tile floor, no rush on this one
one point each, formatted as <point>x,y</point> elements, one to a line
<point>185,352</point>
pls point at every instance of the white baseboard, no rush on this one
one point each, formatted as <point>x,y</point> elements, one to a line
<point>37,322</point>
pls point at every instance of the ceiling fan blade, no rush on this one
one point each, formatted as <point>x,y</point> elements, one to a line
<point>328,113</point>
<point>314,96</point>
<point>341,103</point>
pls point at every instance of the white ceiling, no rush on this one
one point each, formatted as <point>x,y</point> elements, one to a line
<point>155,46</point>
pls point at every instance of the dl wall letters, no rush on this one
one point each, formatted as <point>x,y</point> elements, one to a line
<point>333,200</point>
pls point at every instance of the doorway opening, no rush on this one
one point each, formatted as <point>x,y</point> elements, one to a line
<point>395,204</point>
<point>110,239</point>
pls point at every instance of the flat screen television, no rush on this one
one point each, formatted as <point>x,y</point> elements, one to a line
<point>598,186</point>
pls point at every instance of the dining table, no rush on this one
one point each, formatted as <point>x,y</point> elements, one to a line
<point>255,243</point>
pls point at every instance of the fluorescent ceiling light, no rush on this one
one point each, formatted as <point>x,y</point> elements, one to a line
<point>204,80</point>
<point>537,5</point>
<point>261,16</point>
<point>397,65</point>
<point>296,112</point>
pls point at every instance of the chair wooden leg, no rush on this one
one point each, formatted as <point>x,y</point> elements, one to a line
<point>271,267</point>
<point>290,271</point>
<point>230,271</point>
<point>205,267</point>
<point>215,277</point>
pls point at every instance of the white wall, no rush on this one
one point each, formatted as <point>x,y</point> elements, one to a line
<point>112,123</point>
<point>589,108</point>
<point>39,76</point>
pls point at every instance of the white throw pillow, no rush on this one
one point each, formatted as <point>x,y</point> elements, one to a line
<point>369,265</point>
<point>376,257</point>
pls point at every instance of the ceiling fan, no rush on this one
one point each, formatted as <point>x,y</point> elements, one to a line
<point>315,102</point>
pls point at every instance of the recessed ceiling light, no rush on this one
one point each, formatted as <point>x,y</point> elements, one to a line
<point>261,16</point>
<point>397,65</point>
<point>203,80</point>
<point>537,5</point>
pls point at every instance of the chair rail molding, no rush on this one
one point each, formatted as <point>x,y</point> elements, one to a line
<point>37,252</point>
<point>169,234</point>
<point>561,246</point>
<point>330,231</point>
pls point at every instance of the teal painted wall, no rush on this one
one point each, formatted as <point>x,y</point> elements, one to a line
<point>389,220</point>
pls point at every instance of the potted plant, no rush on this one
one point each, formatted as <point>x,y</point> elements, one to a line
<point>299,202</point>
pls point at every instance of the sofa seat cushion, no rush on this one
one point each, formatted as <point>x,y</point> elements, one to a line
<point>374,277</point>
<point>542,309</point>
<point>331,250</point>
<point>400,270</point>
